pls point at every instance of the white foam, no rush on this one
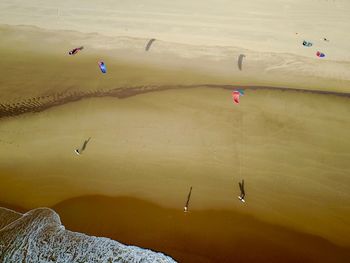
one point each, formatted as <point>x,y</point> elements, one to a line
<point>45,239</point>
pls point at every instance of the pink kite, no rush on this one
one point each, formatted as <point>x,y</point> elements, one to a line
<point>236,94</point>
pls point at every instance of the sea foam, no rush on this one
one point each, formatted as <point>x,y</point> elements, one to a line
<point>39,236</point>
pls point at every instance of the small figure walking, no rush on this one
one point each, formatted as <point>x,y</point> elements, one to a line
<point>188,200</point>
<point>242,195</point>
<point>80,151</point>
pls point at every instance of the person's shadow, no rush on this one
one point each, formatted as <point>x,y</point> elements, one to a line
<point>240,61</point>
<point>85,143</point>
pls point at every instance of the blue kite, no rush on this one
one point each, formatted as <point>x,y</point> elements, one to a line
<point>102,66</point>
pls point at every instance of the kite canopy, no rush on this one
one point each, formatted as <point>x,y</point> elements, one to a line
<point>320,54</point>
<point>236,94</point>
<point>307,44</point>
<point>241,92</point>
<point>102,66</point>
<point>75,50</point>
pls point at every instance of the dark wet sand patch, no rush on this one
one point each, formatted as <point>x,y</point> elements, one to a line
<point>41,103</point>
<point>197,236</point>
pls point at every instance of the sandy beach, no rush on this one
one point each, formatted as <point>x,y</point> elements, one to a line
<point>264,26</point>
<point>163,120</point>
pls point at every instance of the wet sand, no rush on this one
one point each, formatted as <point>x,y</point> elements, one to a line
<point>290,147</point>
<point>41,103</point>
<point>197,236</point>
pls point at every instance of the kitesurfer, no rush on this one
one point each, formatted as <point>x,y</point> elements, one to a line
<point>80,151</point>
<point>188,200</point>
<point>241,188</point>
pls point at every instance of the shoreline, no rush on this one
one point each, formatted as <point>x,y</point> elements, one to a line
<point>138,222</point>
<point>63,245</point>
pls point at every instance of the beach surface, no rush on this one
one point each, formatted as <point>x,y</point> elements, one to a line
<point>202,35</point>
<point>264,26</point>
<point>288,146</point>
<point>163,120</point>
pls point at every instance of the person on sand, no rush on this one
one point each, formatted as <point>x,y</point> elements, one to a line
<point>188,201</point>
<point>80,151</point>
<point>242,195</point>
